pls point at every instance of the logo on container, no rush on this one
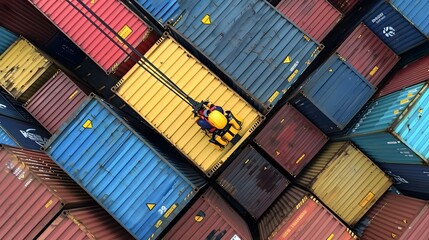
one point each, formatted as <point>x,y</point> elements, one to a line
<point>29,133</point>
<point>2,106</point>
<point>389,31</point>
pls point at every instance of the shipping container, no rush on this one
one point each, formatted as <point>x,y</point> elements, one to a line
<point>344,179</point>
<point>252,181</point>
<point>390,217</point>
<point>391,26</point>
<point>24,69</point>
<point>173,117</point>
<point>162,11</point>
<point>210,217</point>
<point>142,189</point>
<point>6,39</point>
<point>333,95</point>
<point>409,75</point>
<point>344,5</point>
<point>84,23</point>
<point>56,101</point>
<point>315,17</point>
<point>251,45</point>
<point>6,139</point>
<point>416,12</point>
<point>370,56</point>
<point>33,191</point>
<point>290,139</point>
<point>10,107</point>
<point>298,215</point>
<point>419,226</point>
<point>86,223</point>
<point>393,129</point>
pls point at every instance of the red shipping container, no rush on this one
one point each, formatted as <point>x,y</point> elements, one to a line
<point>409,75</point>
<point>419,229</point>
<point>33,190</point>
<point>316,17</point>
<point>291,139</point>
<point>53,104</point>
<point>209,216</point>
<point>85,223</point>
<point>71,18</point>
<point>344,5</point>
<point>370,56</point>
<point>252,181</point>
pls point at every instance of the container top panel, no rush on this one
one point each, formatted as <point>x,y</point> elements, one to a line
<point>416,12</point>
<point>162,10</point>
<point>6,39</point>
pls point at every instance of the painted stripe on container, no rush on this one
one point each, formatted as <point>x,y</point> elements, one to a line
<point>416,12</point>
<point>6,39</point>
<point>120,170</point>
<point>162,10</point>
<point>171,116</point>
<point>262,52</point>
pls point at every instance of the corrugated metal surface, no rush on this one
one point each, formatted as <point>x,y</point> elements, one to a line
<point>23,69</point>
<point>393,28</point>
<point>162,10</point>
<point>33,190</point>
<point>370,56</point>
<point>6,139</point>
<point>344,5</point>
<point>171,116</point>
<point>409,75</point>
<point>312,220</point>
<point>291,139</point>
<point>391,217</point>
<point>85,223</point>
<point>419,226</point>
<point>315,17</point>
<point>121,170</point>
<point>53,104</point>
<point>349,184</point>
<point>333,95</point>
<point>252,181</point>
<point>88,37</point>
<point>9,107</point>
<point>209,216</point>
<point>6,39</point>
<point>416,12</point>
<point>250,41</point>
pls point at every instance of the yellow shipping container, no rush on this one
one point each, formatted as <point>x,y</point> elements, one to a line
<point>171,116</point>
<point>23,69</point>
<point>346,180</point>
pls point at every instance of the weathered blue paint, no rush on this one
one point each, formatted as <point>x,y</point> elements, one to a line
<point>162,10</point>
<point>393,28</point>
<point>333,95</point>
<point>249,44</point>
<point>121,170</point>
<point>6,139</point>
<point>416,11</point>
<point>6,39</point>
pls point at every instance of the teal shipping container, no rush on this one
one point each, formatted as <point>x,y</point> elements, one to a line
<point>127,175</point>
<point>395,128</point>
<point>6,39</point>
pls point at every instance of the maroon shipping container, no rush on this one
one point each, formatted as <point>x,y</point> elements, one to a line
<point>20,17</point>
<point>291,139</point>
<point>53,104</point>
<point>344,5</point>
<point>210,217</point>
<point>33,190</point>
<point>252,181</point>
<point>71,18</point>
<point>419,229</point>
<point>391,217</point>
<point>85,223</point>
<point>316,17</point>
<point>370,56</point>
<point>409,75</point>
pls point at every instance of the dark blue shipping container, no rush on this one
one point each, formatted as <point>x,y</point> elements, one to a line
<point>333,95</point>
<point>393,28</point>
<point>6,39</point>
<point>10,107</point>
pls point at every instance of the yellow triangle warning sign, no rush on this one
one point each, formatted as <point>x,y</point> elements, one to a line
<point>288,59</point>
<point>87,124</point>
<point>206,20</point>
<point>150,206</point>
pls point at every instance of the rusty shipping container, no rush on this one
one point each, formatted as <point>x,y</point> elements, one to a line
<point>210,217</point>
<point>291,139</point>
<point>346,180</point>
<point>370,56</point>
<point>54,103</point>
<point>87,223</point>
<point>24,69</point>
<point>171,116</point>
<point>410,74</point>
<point>298,215</point>
<point>252,181</point>
<point>71,17</point>
<point>315,17</point>
<point>33,191</point>
<point>344,5</point>
<point>391,217</point>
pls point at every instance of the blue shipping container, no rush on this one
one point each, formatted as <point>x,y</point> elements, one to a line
<point>6,139</point>
<point>6,39</point>
<point>10,107</point>
<point>162,10</point>
<point>416,11</point>
<point>395,127</point>
<point>249,44</point>
<point>393,28</point>
<point>125,174</point>
<point>333,94</point>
